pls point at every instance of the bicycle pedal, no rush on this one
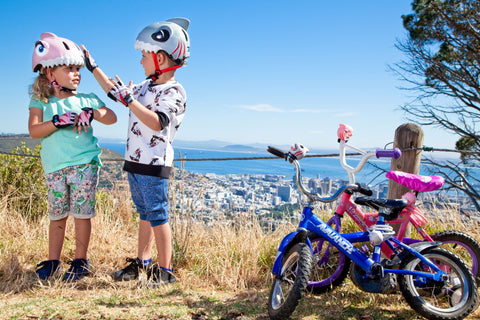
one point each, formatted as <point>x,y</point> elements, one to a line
<point>389,283</point>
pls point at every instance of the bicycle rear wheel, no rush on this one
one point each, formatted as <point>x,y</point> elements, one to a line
<point>289,287</point>
<point>330,266</point>
<point>452,299</point>
<point>464,246</point>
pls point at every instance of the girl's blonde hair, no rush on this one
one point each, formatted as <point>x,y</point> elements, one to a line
<point>41,88</point>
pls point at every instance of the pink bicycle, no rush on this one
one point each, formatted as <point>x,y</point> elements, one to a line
<point>331,267</point>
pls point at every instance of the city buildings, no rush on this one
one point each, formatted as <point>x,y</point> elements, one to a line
<point>211,196</point>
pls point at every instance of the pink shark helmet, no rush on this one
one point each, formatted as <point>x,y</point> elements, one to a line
<point>52,51</point>
<point>170,36</point>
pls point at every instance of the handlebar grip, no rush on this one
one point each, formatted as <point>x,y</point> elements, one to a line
<point>276,152</point>
<point>395,153</point>
<point>365,191</point>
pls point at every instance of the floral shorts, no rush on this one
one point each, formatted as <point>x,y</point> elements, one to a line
<point>71,192</point>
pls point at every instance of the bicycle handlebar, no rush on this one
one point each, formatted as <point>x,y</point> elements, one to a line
<point>365,191</point>
<point>277,152</point>
<point>379,153</point>
<point>298,179</point>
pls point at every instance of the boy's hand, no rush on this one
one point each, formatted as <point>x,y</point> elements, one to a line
<point>90,64</point>
<point>65,120</point>
<point>121,93</point>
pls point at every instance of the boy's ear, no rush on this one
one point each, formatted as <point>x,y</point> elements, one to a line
<point>161,57</point>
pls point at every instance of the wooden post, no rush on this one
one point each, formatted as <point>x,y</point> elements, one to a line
<point>408,135</point>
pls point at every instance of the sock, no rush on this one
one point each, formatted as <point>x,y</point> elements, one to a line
<point>147,262</point>
<point>169,270</point>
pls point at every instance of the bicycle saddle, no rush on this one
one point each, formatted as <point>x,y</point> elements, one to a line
<point>416,182</point>
<point>394,206</point>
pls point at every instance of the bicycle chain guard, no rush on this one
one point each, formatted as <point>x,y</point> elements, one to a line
<point>373,284</point>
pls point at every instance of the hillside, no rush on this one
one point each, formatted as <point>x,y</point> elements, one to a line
<point>110,174</point>
<point>10,142</point>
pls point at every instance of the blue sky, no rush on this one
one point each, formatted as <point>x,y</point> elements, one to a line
<point>269,72</point>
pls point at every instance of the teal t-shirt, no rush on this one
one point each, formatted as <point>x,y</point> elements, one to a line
<point>64,147</point>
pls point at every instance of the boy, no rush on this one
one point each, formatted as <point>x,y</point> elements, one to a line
<point>157,107</point>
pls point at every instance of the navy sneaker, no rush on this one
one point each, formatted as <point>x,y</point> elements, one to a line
<point>47,268</point>
<point>79,268</point>
<point>131,271</point>
<point>158,276</point>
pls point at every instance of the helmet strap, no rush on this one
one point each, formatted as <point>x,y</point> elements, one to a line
<point>55,84</point>
<point>158,72</point>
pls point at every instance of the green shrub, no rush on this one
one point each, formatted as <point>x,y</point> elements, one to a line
<point>22,181</point>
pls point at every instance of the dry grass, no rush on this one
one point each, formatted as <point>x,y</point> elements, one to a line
<point>223,271</point>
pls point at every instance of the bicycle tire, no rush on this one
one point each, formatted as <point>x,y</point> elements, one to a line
<point>288,289</point>
<point>330,267</point>
<point>451,300</point>
<point>451,239</point>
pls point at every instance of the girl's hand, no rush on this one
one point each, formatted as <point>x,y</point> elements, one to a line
<point>84,120</point>
<point>90,64</point>
<point>65,120</point>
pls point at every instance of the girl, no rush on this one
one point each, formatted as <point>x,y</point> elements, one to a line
<point>61,118</point>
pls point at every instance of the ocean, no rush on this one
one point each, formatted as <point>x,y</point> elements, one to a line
<point>311,167</point>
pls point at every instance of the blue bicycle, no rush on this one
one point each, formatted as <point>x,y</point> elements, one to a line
<point>434,282</point>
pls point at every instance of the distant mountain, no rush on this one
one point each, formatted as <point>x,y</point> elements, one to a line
<point>206,144</point>
<point>240,147</point>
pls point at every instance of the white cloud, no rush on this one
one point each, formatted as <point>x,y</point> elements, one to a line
<point>308,111</point>
<point>261,108</point>
<point>346,114</point>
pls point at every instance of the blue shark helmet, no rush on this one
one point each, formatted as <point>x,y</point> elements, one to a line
<point>170,36</point>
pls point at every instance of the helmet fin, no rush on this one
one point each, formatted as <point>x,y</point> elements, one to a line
<point>170,36</point>
<point>182,22</point>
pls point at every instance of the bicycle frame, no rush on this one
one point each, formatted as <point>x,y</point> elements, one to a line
<point>344,243</point>
<point>411,214</point>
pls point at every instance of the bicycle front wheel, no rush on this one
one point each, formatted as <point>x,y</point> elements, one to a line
<point>289,287</point>
<point>454,298</point>
<point>330,266</point>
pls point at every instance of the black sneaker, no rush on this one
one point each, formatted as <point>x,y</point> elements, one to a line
<point>157,276</point>
<point>130,272</point>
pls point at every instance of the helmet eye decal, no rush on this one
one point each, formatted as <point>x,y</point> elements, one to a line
<point>41,49</point>
<point>51,51</point>
<point>161,36</point>
<point>170,36</point>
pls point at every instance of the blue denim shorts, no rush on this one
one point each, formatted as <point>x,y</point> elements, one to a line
<point>150,196</point>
